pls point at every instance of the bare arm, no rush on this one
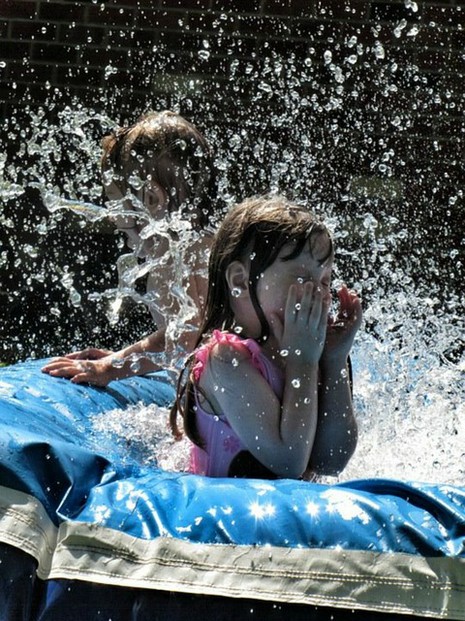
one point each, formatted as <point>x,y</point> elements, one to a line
<point>130,361</point>
<point>336,435</point>
<point>99,367</point>
<point>280,434</point>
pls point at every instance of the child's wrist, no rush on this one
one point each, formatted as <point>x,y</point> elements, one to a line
<point>333,363</point>
<point>303,369</point>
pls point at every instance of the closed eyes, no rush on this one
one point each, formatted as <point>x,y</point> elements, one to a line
<point>303,279</point>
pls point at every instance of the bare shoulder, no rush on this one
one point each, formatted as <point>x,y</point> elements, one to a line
<point>229,353</point>
<point>227,368</point>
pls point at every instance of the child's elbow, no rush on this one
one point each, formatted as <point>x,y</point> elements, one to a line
<point>289,468</point>
<point>337,458</point>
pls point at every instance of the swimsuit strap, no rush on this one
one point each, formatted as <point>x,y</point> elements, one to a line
<point>218,337</point>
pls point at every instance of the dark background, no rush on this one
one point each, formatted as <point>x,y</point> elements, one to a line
<point>354,107</point>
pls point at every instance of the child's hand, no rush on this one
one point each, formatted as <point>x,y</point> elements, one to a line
<point>303,331</point>
<point>343,327</point>
<point>97,372</point>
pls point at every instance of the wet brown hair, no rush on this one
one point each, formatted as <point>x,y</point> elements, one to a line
<point>164,147</point>
<point>255,232</point>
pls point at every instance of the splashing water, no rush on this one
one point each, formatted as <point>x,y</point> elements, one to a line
<point>337,132</point>
<point>141,434</point>
<point>410,402</point>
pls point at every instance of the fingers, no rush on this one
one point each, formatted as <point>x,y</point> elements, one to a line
<point>349,316</point>
<point>349,303</point>
<point>311,307</point>
<point>91,353</point>
<point>90,377</point>
<point>318,316</point>
<point>55,363</point>
<point>81,378</point>
<point>81,372</point>
<point>344,301</point>
<point>309,313</point>
<point>62,368</point>
<point>290,312</point>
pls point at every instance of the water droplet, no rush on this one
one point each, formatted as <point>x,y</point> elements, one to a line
<point>400,26</point>
<point>414,30</point>
<point>136,182</point>
<point>410,4</point>
<point>264,86</point>
<point>379,51</point>
<point>109,70</point>
<point>296,382</point>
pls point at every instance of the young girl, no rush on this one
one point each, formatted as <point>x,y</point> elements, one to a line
<point>268,389</point>
<point>156,168</point>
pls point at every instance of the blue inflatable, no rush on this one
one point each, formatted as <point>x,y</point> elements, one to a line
<point>88,533</point>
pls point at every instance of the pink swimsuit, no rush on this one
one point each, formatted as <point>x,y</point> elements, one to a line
<point>224,454</point>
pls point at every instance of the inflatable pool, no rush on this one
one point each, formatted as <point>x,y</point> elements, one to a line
<point>88,533</point>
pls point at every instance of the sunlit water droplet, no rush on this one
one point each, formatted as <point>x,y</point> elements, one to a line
<point>379,51</point>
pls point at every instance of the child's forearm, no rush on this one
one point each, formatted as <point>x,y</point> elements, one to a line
<point>154,343</point>
<point>336,434</point>
<point>299,416</point>
<point>135,359</point>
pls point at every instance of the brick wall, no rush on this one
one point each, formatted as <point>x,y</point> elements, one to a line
<point>340,100</point>
<point>402,60</point>
<point>83,46</point>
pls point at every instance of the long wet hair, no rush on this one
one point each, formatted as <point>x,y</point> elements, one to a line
<point>253,232</point>
<point>164,147</point>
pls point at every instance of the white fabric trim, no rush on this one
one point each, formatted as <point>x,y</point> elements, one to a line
<point>355,580</point>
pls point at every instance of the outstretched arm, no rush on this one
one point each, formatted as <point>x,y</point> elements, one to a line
<point>130,361</point>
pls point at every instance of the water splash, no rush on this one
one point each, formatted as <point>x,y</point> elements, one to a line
<point>141,434</point>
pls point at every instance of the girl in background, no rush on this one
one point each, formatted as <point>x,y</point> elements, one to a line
<point>158,170</point>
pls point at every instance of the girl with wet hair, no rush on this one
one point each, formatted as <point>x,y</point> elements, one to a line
<point>165,161</point>
<point>159,177</point>
<point>267,391</point>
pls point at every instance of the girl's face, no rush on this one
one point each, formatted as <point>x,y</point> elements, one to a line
<point>273,285</point>
<point>153,206</point>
